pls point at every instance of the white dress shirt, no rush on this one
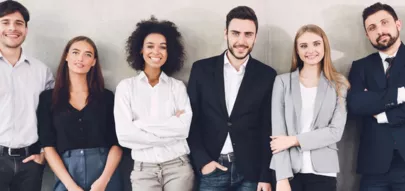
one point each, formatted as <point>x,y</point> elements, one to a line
<point>145,118</point>
<point>382,117</point>
<point>20,87</point>
<point>308,96</point>
<point>232,80</point>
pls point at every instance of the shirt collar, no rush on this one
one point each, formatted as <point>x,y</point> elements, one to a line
<point>226,60</point>
<point>163,77</point>
<point>384,56</point>
<point>23,57</point>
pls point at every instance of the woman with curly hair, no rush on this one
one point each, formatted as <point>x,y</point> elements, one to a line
<point>152,110</point>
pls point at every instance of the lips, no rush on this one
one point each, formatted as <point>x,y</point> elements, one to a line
<point>79,65</point>
<point>154,59</point>
<point>12,35</point>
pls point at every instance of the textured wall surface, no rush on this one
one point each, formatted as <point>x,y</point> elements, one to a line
<point>109,23</point>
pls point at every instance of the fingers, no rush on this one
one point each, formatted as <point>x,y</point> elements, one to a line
<point>28,159</point>
<point>221,167</point>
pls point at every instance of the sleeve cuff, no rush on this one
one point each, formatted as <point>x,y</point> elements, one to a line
<point>382,118</point>
<point>401,95</point>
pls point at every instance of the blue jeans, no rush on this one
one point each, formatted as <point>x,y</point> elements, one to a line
<point>85,166</point>
<point>219,180</point>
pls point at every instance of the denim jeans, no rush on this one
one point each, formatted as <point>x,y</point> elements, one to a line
<point>85,166</point>
<point>219,180</point>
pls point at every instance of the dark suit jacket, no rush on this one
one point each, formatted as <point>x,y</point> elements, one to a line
<point>249,124</point>
<point>378,141</point>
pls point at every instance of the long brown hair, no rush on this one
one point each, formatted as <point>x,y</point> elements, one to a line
<point>326,63</point>
<point>95,80</point>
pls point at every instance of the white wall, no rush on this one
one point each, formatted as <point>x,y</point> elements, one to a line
<point>109,23</point>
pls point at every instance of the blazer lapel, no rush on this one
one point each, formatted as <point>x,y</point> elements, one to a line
<point>397,66</point>
<point>296,96</point>
<point>378,71</point>
<point>245,86</point>
<point>320,96</point>
<point>220,84</point>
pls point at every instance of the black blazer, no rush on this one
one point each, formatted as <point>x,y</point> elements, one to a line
<point>378,141</point>
<point>249,124</point>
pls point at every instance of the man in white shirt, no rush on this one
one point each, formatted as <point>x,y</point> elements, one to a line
<point>230,96</point>
<point>22,79</point>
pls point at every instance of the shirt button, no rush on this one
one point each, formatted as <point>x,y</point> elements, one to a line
<point>229,124</point>
<point>81,151</point>
<point>80,119</point>
<point>233,144</point>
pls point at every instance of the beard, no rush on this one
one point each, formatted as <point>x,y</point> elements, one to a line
<point>384,46</point>
<point>231,50</point>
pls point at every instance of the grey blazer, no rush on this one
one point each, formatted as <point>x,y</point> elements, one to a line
<point>326,129</point>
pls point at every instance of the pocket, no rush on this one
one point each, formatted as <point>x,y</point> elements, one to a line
<point>211,173</point>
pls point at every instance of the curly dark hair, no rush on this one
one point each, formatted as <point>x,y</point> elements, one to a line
<point>175,48</point>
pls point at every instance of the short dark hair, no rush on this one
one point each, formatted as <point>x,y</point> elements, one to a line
<point>175,48</point>
<point>10,7</point>
<point>378,7</point>
<point>242,12</point>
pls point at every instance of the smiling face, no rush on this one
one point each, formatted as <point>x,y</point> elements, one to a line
<point>13,30</point>
<point>310,48</point>
<point>240,37</point>
<point>154,51</point>
<point>80,57</point>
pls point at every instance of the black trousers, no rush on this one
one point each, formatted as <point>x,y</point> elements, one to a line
<point>312,182</point>
<point>393,180</point>
<point>18,176</point>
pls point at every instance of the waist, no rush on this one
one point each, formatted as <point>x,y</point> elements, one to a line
<point>84,152</point>
<point>19,152</point>
<point>159,154</point>
<point>230,157</point>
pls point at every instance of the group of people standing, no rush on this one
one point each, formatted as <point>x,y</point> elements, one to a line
<point>236,126</point>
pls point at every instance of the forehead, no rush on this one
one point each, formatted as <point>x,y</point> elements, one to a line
<point>308,37</point>
<point>242,25</point>
<point>13,16</point>
<point>377,17</point>
<point>82,46</point>
<point>155,37</point>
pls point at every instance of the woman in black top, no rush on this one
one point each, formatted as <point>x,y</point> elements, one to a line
<point>76,123</point>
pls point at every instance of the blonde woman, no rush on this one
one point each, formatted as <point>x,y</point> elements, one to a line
<point>308,116</point>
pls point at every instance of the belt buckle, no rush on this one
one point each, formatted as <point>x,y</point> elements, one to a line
<point>12,155</point>
<point>229,157</point>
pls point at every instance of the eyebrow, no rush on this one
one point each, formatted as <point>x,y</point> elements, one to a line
<point>154,43</point>
<point>75,49</point>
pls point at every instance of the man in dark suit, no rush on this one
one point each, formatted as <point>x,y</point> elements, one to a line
<point>231,100</point>
<point>377,95</point>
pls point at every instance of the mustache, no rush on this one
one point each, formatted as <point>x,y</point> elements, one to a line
<point>379,37</point>
<point>240,46</point>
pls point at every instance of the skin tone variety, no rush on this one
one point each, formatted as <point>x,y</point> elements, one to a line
<point>80,59</point>
<point>311,50</point>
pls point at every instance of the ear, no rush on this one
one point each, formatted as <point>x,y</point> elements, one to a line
<point>226,34</point>
<point>94,62</point>
<point>398,23</point>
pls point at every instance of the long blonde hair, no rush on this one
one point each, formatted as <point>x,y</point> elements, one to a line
<point>326,63</point>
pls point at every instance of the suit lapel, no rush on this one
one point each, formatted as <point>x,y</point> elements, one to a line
<point>397,66</point>
<point>220,84</point>
<point>244,89</point>
<point>378,72</point>
<point>320,96</point>
<point>296,96</point>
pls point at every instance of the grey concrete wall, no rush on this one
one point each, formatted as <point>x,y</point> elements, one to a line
<point>109,23</point>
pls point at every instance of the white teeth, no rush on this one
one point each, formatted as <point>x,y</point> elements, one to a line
<point>155,59</point>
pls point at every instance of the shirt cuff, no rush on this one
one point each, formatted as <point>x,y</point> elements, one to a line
<point>382,118</point>
<point>42,150</point>
<point>401,95</point>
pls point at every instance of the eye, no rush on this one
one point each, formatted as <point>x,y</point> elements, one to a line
<point>5,22</point>
<point>317,43</point>
<point>75,52</point>
<point>303,46</point>
<point>149,46</point>
<point>372,28</point>
<point>89,55</point>
<point>163,47</point>
<point>384,22</point>
<point>235,33</point>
